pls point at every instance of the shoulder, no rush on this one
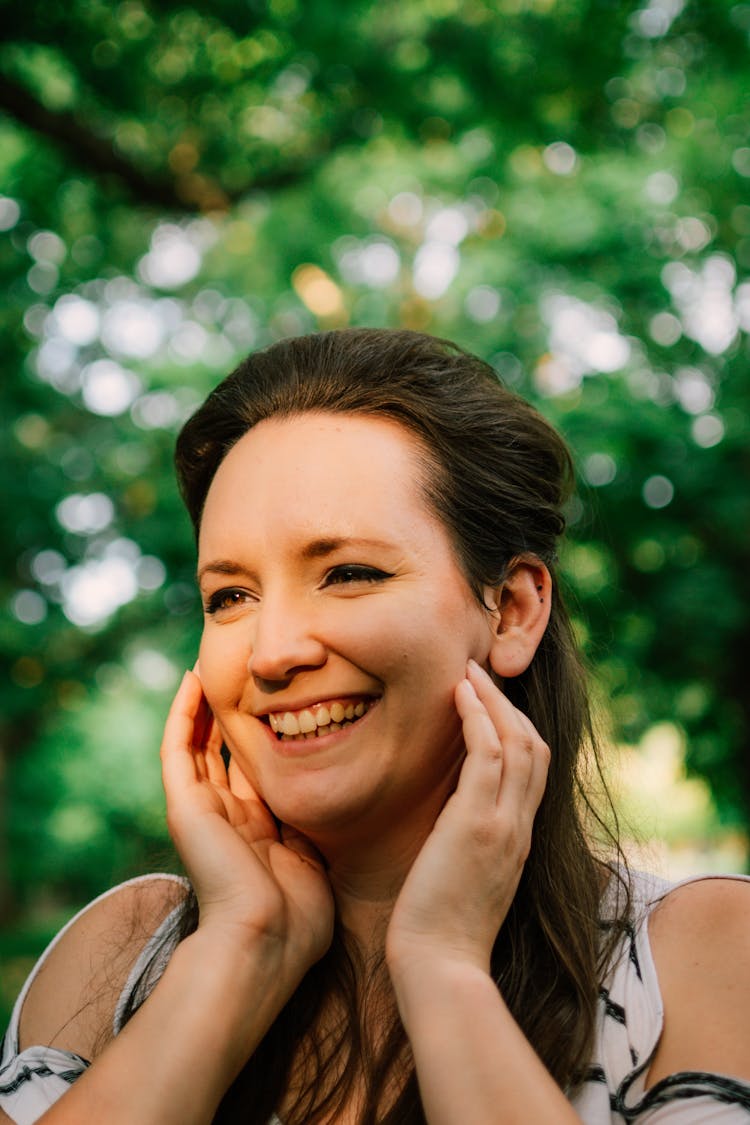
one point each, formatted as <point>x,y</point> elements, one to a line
<point>74,991</point>
<point>700,940</point>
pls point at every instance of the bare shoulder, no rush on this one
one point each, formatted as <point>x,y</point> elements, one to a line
<point>700,939</point>
<point>71,1002</point>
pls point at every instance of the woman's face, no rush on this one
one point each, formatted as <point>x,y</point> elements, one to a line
<point>333,599</point>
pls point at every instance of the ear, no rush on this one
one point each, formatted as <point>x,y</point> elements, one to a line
<point>521,610</point>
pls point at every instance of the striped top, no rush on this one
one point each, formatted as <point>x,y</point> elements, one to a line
<point>629,1024</point>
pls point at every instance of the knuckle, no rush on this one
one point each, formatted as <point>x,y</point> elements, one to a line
<point>485,832</point>
<point>494,749</point>
<point>518,838</point>
<point>526,743</point>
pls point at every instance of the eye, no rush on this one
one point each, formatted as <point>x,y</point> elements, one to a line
<point>226,599</point>
<point>351,572</point>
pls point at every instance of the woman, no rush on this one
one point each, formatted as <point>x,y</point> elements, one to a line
<point>394,912</point>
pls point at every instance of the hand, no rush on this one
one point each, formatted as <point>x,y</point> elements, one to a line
<point>253,881</point>
<point>460,887</point>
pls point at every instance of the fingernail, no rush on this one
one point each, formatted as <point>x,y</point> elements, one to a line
<point>472,666</point>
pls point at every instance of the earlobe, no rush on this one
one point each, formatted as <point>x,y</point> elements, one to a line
<point>520,615</point>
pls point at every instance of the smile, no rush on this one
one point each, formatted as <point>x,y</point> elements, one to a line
<point>321,718</point>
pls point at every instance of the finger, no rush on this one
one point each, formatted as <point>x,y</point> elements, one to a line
<point>201,769</point>
<point>528,759</point>
<point>212,757</point>
<point>526,754</point>
<point>506,717</point>
<point>178,760</point>
<point>204,732</point>
<point>239,782</point>
<point>482,772</point>
<point>241,787</point>
<point>539,773</point>
<point>542,755</point>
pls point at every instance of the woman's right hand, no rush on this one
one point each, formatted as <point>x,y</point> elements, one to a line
<point>254,882</point>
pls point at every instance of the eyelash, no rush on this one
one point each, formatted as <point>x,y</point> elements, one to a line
<point>339,576</point>
<point>350,572</point>
<point>214,603</point>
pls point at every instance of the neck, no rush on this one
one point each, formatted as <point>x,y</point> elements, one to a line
<point>367,874</point>
<point>365,894</point>
<point>369,855</point>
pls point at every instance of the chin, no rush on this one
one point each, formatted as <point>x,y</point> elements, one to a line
<point>319,813</point>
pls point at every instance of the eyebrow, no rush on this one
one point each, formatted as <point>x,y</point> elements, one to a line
<point>321,548</point>
<point>223,566</point>
<point>316,549</point>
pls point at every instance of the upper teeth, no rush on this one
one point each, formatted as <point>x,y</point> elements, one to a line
<point>322,715</point>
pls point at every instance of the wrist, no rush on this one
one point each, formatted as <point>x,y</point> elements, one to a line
<point>430,985</point>
<point>413,960</point>
<point>473,1062</point>
<point>237,959</point>
<point>255,952</point>
<point>231,991</point>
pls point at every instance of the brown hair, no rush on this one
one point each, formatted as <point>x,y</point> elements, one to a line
<point>497,476</point>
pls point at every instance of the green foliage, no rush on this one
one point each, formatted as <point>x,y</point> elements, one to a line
<point>559,186</point>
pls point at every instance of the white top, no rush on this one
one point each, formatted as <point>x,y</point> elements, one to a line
<point>629,1024</point>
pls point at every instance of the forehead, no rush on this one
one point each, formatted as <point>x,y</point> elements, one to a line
<point>320,469</point>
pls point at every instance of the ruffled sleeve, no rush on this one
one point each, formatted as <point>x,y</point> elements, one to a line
<point>33,1080</point>
<point>629,1026</point>
<point>687,1098</point>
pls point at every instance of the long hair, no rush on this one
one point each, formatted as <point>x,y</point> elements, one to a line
<point>497,476</point>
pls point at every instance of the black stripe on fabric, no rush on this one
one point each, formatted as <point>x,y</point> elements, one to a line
<point>26,1073</point>
<point>612,1009</point>
<point>633,953</point>
<point>596,1074</point>
<point>683,1086</point>
<point>69,1076</point>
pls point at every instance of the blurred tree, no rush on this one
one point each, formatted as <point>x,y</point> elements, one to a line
<point>561,186</point>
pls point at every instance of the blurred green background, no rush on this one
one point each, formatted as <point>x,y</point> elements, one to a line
<point>562,187</point>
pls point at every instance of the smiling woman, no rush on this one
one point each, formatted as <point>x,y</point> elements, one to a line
<point>332,585</point>
<point>393,912</point>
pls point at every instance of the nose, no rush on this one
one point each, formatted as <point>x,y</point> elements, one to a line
<point>283,644</point>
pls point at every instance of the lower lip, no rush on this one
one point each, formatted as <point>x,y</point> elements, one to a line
<point>304,747</point>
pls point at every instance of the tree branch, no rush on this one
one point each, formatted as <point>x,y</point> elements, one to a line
<point>88,149</point>
<point>188,193</point>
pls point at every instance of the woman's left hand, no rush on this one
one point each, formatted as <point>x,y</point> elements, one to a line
<point>458,891</point>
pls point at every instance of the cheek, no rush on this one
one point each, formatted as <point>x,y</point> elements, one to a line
<point>423,646</point>
<point>446,630</point>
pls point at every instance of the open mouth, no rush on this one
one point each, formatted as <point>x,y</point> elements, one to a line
<point>319,720</point>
